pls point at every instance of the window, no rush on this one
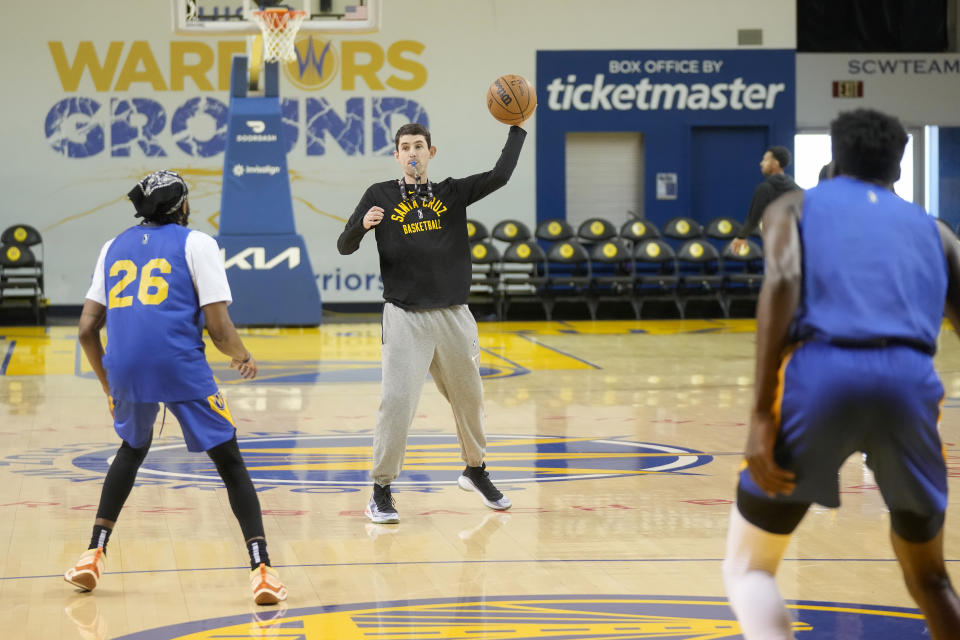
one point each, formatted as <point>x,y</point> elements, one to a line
<point>812,151</point>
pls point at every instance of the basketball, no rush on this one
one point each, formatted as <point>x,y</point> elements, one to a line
<point>511,99</point>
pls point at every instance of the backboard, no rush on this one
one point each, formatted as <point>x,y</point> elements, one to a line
<point>218,17</point>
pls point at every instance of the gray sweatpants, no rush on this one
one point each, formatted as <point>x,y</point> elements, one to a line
<point>445,343</point>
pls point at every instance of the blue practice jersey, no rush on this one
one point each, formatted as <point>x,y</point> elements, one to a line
<point>155,350</point>
<point>873,267</point>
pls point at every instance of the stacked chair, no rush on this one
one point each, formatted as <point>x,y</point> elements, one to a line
<point>524,276</point>
<point>507,266</point>
<point>554,230</point>
<point>701,277</point>
<point>681,230</point>
<point>721,231</point>
<point>522,267</point>
<point>682,263</point>
<point>510,231</point>
<point>476,231</point>
<point>21,271</point>
<point>613,275</point>
<point>485,278</point>
<point>656,276</point>
<point>636,231</point>
<point>569,274</point>
<point>744,271</point>
<point>595,230</point>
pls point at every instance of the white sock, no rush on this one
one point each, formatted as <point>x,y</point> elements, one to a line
<point>748,573</point>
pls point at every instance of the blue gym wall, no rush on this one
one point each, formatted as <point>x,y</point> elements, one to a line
<point>713,146</point>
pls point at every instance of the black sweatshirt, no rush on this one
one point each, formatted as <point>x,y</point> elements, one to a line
<point>766,192</point>
<point>425,254</point>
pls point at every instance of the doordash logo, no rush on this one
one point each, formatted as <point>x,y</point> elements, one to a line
<point>257,128</point>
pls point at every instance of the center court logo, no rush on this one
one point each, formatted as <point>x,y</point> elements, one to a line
<point>431,460</point>
<point>586,617</point>
<point>315,66</point>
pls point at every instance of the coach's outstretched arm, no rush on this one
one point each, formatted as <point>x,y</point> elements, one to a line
<point>226,339</point>
<point>779,296</point>
<point>483,184</point>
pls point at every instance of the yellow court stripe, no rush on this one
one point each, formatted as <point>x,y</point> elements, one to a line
<point>252,455</point>
<point>413,449</point>
<point>367,465</point>
<point>54,350</point>
<point>868,612</point>
<point>554,470</point>
<point>42,355</point>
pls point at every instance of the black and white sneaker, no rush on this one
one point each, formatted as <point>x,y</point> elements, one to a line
<point>381,509</point>
<point>477,479</point>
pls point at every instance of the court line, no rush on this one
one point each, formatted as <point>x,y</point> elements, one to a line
<point>445,562</point>
<point>532,339</point>
<point>6,358</point>
<point>520,369</point>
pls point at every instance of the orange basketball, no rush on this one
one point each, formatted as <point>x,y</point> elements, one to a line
<point>511,99</point>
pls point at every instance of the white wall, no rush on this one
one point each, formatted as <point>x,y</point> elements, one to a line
<point>79,203</point>
<point>920,88</point>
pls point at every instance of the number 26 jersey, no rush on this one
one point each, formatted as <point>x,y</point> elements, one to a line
<point>153,280</point>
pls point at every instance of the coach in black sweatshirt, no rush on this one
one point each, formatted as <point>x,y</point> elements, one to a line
<point>421,232</point>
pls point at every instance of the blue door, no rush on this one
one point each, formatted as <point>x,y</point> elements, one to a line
<point>725,170</point>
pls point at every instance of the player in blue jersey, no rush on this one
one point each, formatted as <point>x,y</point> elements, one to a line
<point>853,297</point>
<point>155,286</point>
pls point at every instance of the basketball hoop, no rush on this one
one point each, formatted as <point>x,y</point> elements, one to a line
<point>279,28</point>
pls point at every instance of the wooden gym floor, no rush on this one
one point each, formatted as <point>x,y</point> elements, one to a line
<point>618,443</point>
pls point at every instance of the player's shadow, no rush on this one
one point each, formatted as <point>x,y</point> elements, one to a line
<point>476,539</point>
<point>84,612</point>
<point>266,623</point>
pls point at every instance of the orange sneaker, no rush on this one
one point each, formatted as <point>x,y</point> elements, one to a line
<point>267,588</point>
<point>86,573</point>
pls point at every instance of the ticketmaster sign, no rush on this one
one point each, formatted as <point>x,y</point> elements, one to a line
<point>606,94</point>
<point>683,102</point>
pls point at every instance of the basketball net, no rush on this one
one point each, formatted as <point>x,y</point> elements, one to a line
<point>279,28</point>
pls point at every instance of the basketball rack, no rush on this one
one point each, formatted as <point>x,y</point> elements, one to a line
<point>278,28</point>
<point>271,30</point>
<point>236,17</point>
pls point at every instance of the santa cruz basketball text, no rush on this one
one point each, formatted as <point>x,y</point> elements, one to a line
<point>404,208</point>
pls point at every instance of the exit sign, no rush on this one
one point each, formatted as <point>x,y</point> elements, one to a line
<point>848,88</point>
